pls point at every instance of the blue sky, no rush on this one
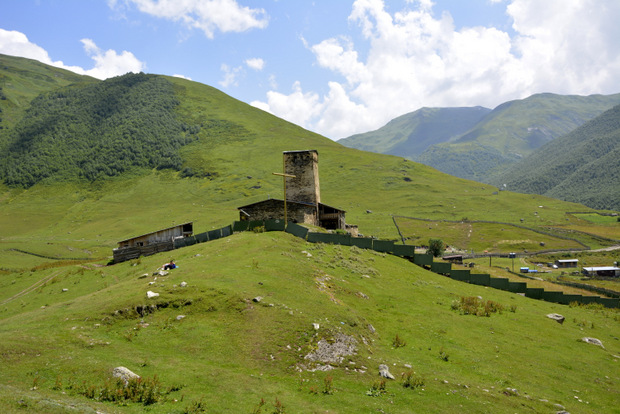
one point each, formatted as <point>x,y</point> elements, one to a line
<point>335,67</point>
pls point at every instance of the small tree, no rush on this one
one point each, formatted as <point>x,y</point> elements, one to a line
<point>436,247</point>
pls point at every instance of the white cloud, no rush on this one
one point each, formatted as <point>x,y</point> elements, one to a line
<point>107,63</point>
<point>298,107</point>
<point>417,59</point>
<point>255,63</point>
<point>15,43</point>
<point>205,15</point>
<point>231,75</point>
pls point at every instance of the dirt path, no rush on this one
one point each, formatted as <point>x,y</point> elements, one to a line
<point>31,288</point>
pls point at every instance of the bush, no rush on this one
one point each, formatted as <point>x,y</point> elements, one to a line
<point>436,247</point>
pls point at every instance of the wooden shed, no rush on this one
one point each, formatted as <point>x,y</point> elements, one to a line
<point>151,243</point>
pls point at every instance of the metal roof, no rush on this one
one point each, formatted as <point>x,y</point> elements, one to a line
<point>157,231</point>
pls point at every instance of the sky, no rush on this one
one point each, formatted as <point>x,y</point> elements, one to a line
<point>335,67</point>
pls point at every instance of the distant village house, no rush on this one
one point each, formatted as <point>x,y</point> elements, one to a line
<point>566,263</point>
<point>602,271</point>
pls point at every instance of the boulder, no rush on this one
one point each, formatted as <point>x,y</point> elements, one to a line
<point>183,284</point>
<point>151,294</point>
<point>593,341</point>
<point>384,371</point>
<point>124,374</point>
<point>556,317</point>
<point>257,299</point>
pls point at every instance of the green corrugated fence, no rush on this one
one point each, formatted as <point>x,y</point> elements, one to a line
<point>481,279</point>
<point>423,259</point>
<point>462,275</point>
<point>499,283</point>
<point>443,268</point>
<point>384,246</point>
<point>361,242</point>
<point>403,250</point>
<point>241,225</point>
<point>296,230</point>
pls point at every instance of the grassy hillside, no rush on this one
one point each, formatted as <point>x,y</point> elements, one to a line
<point>410,134</point>
<point>582,166</point>
<point>67,319</point>
<point>229,352</point>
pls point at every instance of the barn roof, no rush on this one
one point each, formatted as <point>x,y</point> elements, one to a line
<point>157,231</point>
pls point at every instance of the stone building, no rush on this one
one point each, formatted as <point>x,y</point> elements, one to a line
<point>303,196</point>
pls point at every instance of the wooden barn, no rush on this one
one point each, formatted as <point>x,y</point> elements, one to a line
<point>151,243</point>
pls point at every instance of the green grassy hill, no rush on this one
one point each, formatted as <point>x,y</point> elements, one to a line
<point>60,342</point>
<point>582,166</point>
<point>410,134</point>
<point>67,319</point>
<point>476,144</point>
<point>514,130</point>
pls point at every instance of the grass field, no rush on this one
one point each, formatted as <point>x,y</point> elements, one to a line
<point>67,319</point>
<point>229,352</point>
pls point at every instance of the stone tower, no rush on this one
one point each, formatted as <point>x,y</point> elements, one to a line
<point>304,165</point>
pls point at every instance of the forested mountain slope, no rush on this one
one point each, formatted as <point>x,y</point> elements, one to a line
<point>410,134</point>
<point>582,166</point>
<point>463,143</point>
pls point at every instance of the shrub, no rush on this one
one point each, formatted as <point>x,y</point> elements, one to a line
<point>398,342</point>
<point>411,380</point>
<point>377,389</point>
<point>472,305</point>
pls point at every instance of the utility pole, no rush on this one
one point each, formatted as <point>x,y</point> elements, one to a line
<point>284,177</point>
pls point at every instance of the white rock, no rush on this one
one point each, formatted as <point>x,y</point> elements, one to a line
<point>384,371</point>
<point>315,326</point>
<point>593,341</point>
<point>151,294</point>
<point>183,284</point>
<point>124,374</point>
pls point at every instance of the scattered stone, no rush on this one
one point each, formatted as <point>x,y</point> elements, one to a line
<point>556,317</point>
<point>257,299</point>
<point>333,353</point>
<point>151,283</point>
<point>362,295</point>
<point>124,374</point>
<point>371,328</point>
<point>143,276</point>
<point>179,317</point>
<point>384,371</point>
<point>151,294</point>
<point>315,326</point>
<point>183,284</point>
<point>593,341</point>
<point>65,290</point>
<point>161,273</point>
